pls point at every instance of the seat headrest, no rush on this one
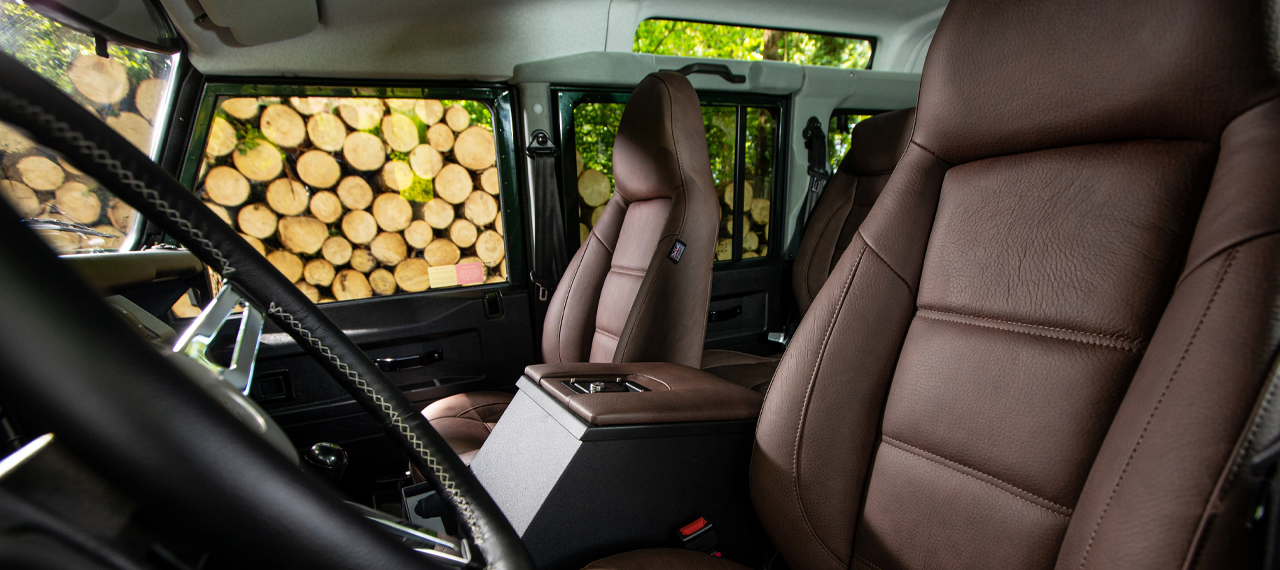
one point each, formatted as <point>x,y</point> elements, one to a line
<point>660,128</point>
<point>876,143</point>
<point>1010,77</point>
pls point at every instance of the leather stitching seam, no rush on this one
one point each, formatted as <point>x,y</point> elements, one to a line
<point>935,155</point>
<point>1110,341</point>
<point>886,263</point>
<point>628,271</point>
<point>1222,276</point>
<point>476,407</point>
<point>606,333</point>
<point>568,295</point>
<point>952,465</point>
<point>863,560</point>
<point>808,396</point>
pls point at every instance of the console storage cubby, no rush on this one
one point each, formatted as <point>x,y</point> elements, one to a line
<point>582,475</point>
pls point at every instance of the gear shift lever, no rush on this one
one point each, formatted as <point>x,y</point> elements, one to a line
<point>328,459</point>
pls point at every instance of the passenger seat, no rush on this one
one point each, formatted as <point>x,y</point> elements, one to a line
<point>875,146</point>
<point>639,287</point>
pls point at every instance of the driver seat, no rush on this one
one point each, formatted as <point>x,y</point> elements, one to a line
<point>1053,341</point>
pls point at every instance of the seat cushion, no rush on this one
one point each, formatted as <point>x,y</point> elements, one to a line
<point>747,370</point>
<point>664,559</point>
<point>466,420</point>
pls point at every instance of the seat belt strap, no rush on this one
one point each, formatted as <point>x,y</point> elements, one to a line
<point>816,143</point>
<point>549,256</point>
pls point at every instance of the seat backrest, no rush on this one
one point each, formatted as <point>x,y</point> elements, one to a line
<point>875,145</point>
<point>1047,343</point>
<point>637,290</point>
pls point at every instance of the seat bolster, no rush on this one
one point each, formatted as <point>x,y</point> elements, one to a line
<point>464,436</point>
<point>713,358</point>
<point>664,559</point>
<point>746,370</point>
<point>484,407</point>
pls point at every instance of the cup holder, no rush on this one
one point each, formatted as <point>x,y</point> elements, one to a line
<point>603,384</point>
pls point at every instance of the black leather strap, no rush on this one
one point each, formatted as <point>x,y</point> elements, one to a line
<point>54,120</point>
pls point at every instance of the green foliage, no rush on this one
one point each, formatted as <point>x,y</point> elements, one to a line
<point>838,135</point>
<point>479,111</point>
<point>48,48</point>
<point>421,190</point>
<point>694,39</point>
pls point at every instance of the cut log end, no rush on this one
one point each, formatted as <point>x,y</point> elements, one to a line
<point>349,284</point>
<point>302,234</point>
<point>261,163</point>
<point>457,118</point>
<point>412,275</point>
<point>399,132</point>
<point>101,80</point>
<point>418,234</point>
<point>257,220</point>
<point>326,131</point>
<point>474,148</point>
<point>359,226</point>
<point>392,212</point>
<point>382,282</point>
<point>40,173</point>
<point>287,264</point>
<point>453,183</point>
<point>336,250</point>
<point>78,202</point>
<point>283,126</point>
<point>243,108</point>
<point>441,252</point>
<point>362,260</point>
<point>319,272</point>
<point>490,248</point>
<point>437,213</point>
<point>396,175</point>
<point>425,161</point>
<point>489,181</point>
<point>21,197</point>
<point>287,197</point>
<point>429,111</point>
<point>326,207</point>
<point>440,137</point>
<point>318,169</point>
<point>364,151</point>
<point>309,291</point>
<point>480,208</point>
<point>222,138</point>
<point>594,187</point>
<point>463,233</point>
<point>388,248</point>
<point>355,193</point>
<point>226,186</point>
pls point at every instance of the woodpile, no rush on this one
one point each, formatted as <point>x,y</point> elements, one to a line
<point>755,221</point>
<point>355,197</point>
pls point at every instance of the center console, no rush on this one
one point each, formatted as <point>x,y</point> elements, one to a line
<point>591,460</point>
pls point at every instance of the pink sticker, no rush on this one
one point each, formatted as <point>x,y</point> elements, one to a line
<point>470,273</point>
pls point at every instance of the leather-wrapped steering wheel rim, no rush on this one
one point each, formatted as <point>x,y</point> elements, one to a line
<point>54,120</point>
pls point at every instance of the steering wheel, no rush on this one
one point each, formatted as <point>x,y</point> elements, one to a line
<point>120,406</point>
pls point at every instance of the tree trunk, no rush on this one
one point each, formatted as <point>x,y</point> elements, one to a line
<point>336,250</point>
<point>412,275</point>
<point>261,164</point>
<point>474,148</point>
<point>418,234</point>
<point>388,248</point>
<point>437,213</point>
<point>319,272</point>
<point>359,226</point>
<point>257,220</point>
<point>399,132</point>
<point>101,80</point>
<point>441,252</point>
<point>396,175</point>
<point>457,118</point>
<point>594,187</point>
<point>303,234</point>
<point>382,282</point>
<point>349,284</point>
<point>326,131</point>
<point>462,233</point>
<point>392,212</point>
<point>40,173</point>
<point>225,185</point>
<point>283,126</point>
<point>326,207</point>
<point>355,193</point>
<point>480,208</point>
<point>425,161</point>
<point>362,260</point>
<point>453,183</point>
<point>364,151</point>
<point>489,181</point>
<point>287,198</point>
<point>287,264</point>
<point>490,248</point>
<point>440,137</point>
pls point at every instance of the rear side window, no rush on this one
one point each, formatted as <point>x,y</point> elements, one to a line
<point>699,39</point>
<point>358,192</point>
<point>742,138</point>
<point>839,133</point>
<point>130,91</point>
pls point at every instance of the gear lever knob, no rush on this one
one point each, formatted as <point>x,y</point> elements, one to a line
<point>328,459</point>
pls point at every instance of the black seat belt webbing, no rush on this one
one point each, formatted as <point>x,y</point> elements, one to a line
<point>549,256</point>
<point>816,142</point>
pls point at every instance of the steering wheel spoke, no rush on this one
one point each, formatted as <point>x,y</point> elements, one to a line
<point>196,340</point>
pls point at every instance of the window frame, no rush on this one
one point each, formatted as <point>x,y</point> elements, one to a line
<point>567,98</point>
<point>499,98</point>
<point>869,39</point>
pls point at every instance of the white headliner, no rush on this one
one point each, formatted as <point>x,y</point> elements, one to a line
<point>486,39</point>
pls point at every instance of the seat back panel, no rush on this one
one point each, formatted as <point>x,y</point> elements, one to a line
<point>636,243</point>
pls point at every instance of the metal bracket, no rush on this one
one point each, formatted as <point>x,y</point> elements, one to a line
<point>194,342</point>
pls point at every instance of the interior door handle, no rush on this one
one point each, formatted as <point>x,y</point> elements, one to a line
<point>407,362</point>
<point>724,314</point>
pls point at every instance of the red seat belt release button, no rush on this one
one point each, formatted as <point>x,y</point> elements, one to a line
<point>699,535</point>
<point>693,527</point>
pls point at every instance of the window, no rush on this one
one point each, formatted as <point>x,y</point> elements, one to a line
<point>359,192</point>
<point>130,91</point>
<point>697,39</point>
<point>742,140</point>
<point>838,133</point>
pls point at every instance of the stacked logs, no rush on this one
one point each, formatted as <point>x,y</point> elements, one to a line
<point>594,191</point>
<point>355,197</point>
<point>39,184</point>
<point>755,223</point>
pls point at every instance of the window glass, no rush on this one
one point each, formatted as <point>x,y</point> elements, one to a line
<point>838,134</point>
<point>130,91</point>
<point>697,39</point>
<point>355,197</point>
<point>595,124</point>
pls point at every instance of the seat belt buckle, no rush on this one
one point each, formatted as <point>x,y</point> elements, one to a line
<point>700,535</point>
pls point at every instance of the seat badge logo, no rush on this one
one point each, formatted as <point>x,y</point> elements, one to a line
<point>677,250</point>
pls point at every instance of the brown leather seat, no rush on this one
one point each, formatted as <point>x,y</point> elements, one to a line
<point>628,295</point>
<point>1053,341</point>
<point>875,145</point>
